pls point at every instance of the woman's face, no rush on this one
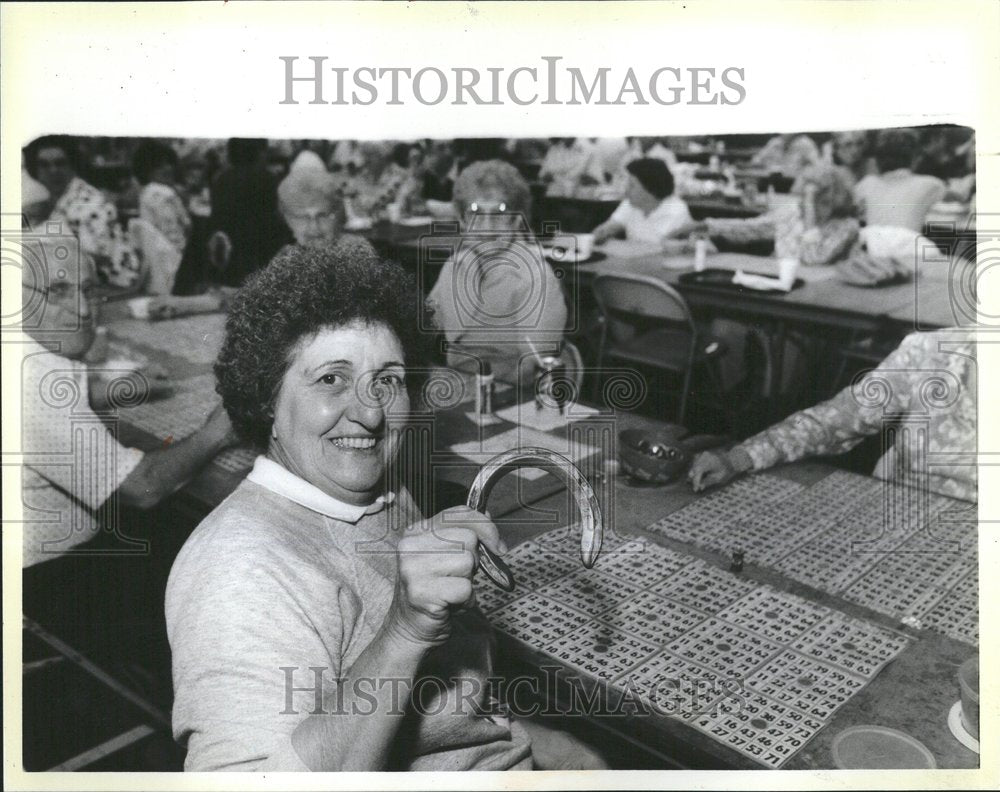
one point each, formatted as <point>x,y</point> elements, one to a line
<point>313,223</point>
<point>54,170</point>
<point>60,299</point>
<point>849,147</point>
<point>331,417</point>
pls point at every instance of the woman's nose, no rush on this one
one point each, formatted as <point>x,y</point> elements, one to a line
<point>368,408</point>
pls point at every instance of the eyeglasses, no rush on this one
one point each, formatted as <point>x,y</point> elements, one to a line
<point>476,208</point>
<point>306,218</point>
<point>63,289</point>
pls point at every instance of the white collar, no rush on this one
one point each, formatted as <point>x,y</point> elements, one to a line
<point>270,475</point>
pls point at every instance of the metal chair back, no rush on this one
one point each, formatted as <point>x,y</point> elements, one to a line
<point>643,300</point>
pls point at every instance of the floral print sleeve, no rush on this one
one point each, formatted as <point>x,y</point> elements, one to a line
<point>163,207</point>
<point>828,243</point>
<point>930,378</point>
<point>92,218</point>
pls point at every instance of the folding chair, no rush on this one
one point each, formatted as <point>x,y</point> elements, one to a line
<point>643,320</point>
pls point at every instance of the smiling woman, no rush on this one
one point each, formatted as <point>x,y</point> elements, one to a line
<point>301,620</point>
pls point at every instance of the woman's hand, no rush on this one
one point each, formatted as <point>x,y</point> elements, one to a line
<point>436,565</point>
<point>603,232</point>
<point>715,468</point>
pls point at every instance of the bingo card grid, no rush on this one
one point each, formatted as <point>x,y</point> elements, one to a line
<point>799,661</point>
<point>891,549</point>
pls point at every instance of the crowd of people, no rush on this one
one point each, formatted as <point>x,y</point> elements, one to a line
<point>322,361</point>
<point>208,212</point>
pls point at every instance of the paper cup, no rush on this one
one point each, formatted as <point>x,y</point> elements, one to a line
<point>787,267</point>
<point>139,307</point>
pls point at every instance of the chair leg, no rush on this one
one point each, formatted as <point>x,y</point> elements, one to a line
<point>685,387</point>
<point>712,371</point>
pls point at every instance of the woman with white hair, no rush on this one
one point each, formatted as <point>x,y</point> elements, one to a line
<point>496,299</point>
<point>310,201</point>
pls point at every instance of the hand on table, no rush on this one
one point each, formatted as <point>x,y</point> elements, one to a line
<point>602,234</point>
<point>170,307</point>
<point>715,468</point>
<point>436,564</point>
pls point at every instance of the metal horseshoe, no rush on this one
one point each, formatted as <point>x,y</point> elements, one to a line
<point>591,520</point>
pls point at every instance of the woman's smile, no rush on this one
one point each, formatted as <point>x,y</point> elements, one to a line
<point>355,443</point>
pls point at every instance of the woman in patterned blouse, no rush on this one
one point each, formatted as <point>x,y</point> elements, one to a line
<point>82,209</point>
<point>155,166</point>
<point>922,397</point>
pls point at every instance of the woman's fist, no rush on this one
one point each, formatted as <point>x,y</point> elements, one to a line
<point>436,562</point>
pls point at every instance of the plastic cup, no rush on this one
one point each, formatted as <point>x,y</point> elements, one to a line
<point>584,246</point>
<point>700,252</point>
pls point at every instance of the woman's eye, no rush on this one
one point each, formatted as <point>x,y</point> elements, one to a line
<point>331,379</point>
<point>391,380</point>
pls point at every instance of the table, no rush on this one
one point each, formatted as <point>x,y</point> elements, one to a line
<point>821,300</point>
<point>913,693</point>
<point>936,297</point>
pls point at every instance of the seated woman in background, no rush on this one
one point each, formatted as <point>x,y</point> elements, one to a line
<point>824,228</point>
<point>565,165</point>
<point>852,150</point>
<point>931,376</point>
<point>62,332</point>
<point>317,579</point>
<point>82,209</point>
<point>496,297</point>
<point>651,213</point>
<point>896,196</point>
<point>155,167</point>
<point>819,229</point>
<point>787,154</point>
<point>310,202</point>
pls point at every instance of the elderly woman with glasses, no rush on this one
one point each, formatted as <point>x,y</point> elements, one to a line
<point>496,300</point>
<point>316,621</point>
<point>310,201</point>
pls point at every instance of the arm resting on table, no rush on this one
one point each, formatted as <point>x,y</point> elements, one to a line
<point>842,422</point>
<point>163,471</point>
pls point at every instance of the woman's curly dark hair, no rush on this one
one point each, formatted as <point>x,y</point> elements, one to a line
<point>301,291</point>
